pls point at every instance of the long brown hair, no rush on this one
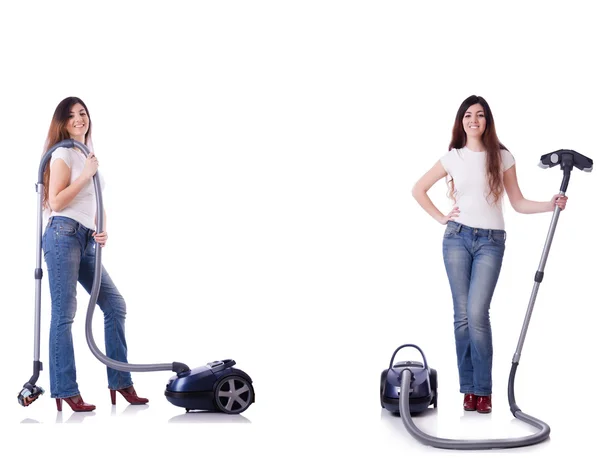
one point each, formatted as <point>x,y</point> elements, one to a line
<point>58,132</point>
<point>490,142</point>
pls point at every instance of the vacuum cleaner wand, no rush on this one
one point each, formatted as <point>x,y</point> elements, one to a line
<point>31,391</point>
<point>566,159</point>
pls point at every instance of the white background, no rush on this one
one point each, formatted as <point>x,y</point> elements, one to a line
<point>259,158</point>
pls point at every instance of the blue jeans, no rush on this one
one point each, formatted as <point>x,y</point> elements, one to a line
<point>69,252</point>
<point>473,258</point>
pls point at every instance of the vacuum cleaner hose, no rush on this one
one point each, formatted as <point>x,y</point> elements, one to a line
<point>457,444</point>
<point>177,367</point>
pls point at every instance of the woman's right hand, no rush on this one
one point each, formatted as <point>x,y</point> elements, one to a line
<point>91,166</point>
<point>455,212</point>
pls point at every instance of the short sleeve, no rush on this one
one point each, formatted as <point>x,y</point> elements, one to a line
<point>446,161</point>
<point>63,154</point>
<point>507,160</point>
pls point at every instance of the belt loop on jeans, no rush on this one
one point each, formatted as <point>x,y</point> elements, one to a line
<point>459,227</point>
<point>490,234</point>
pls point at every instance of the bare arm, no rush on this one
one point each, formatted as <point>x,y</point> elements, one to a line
<point>419,192</point>
<point>60,192</point>
<point>525,206</point>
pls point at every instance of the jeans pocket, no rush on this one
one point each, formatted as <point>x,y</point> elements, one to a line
<point>498,238</point>
<point>450,231</point>
<point>66,230</point>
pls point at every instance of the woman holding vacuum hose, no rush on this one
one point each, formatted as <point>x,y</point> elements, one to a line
<point>479,170</point>
<point>69,243</point>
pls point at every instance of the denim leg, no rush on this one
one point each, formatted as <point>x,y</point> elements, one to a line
<point>458,262</point>
<point>487,263</point>
<point>113,306</point>
<point>62,253</point>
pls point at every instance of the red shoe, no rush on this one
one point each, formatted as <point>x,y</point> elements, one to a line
<point>76,403</point>
<point>484,404</point>
<point>129,394</point>
<point>470,402</point>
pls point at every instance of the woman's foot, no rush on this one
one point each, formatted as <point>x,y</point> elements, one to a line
<point>129,394</point>
<point>484,404</point>
<point>76,403</point>
<point>470,402</point>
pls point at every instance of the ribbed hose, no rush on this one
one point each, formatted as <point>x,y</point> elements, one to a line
<point>456,444</point>
<point>113,364</point>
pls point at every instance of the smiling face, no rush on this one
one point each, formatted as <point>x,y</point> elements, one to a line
<point>78,123</point>
<point>474,121</point>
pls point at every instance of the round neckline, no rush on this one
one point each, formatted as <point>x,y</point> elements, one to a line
<point>472,151</point>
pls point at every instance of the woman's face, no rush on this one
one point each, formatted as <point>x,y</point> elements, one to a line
<point>474,121</point>
<point>78,123</point>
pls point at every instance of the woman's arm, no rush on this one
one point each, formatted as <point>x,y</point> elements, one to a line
<point>60,192</point>
<point>525,206</point>
<point>419,192</point>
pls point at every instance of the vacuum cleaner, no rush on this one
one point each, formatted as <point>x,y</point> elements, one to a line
<point>410,387</point>
<point>217,386</point>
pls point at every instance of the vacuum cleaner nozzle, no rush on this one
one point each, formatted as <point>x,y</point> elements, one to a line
<point>567,159</point>
<point>29,394</point>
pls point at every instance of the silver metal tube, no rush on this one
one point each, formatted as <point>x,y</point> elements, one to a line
<point>38,278</point>
<point>549,237</point>
<point>536,285</point>
<point>534,292</point>
<point>38,260</point>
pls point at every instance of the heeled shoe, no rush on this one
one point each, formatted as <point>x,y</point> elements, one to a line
<point>130,396</point>
<point>484,404</point>
<point>469,402</point>
<point>77,406</point>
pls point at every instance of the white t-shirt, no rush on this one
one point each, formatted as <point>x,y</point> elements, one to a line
<point>83,206</point>
<point>468,170</point>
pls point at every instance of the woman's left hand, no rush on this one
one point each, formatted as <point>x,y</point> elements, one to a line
<point>560,200</point>
<point>100,238</point>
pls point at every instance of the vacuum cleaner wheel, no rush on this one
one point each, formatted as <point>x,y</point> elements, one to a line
<point>233,394</point>
<point>434,385</point>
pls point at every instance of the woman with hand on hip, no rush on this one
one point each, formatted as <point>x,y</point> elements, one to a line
<point>69,243</point>
<point>479,169</point>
